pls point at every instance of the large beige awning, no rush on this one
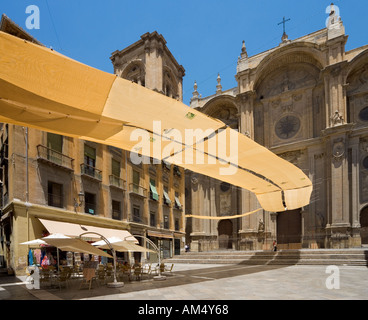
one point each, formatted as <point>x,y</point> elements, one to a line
<point>75,230</point>
<point>65,243</point>
<point>43,89</point>
<point>121,245</point>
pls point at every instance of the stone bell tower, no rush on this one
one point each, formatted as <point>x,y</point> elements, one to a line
<point>150,63</point>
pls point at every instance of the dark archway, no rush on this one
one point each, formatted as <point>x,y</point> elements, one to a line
<point>364,225</point>
<point>225,232</point>
<point>289,229</point>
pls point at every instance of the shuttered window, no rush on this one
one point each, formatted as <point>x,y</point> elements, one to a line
<point>55,142</point>
<point>115,168</point>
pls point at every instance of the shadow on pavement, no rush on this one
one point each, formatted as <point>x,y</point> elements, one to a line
<point>176,278</point>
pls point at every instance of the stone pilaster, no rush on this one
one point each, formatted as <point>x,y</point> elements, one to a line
<point>338,215</point>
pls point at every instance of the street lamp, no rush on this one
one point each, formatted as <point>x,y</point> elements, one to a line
<point>81,200</point>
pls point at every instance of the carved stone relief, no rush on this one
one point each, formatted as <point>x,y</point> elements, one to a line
<point>292,156</point>
<point>225,204</point>
<point>364,145</point>
<point>227,114</point>
<point>358,81</point>
<point>287,79</point>
<point>338,151</point>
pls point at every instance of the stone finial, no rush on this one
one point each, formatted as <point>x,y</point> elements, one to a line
<point>219,86</point>
<point>244,53</point>
<point>195,92</point>
<point>285,38</point>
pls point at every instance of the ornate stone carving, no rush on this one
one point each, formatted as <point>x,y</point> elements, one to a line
<point>194,181</point>
<point>338,151</point>
<point>276,103</point>
<point>337,119</point>
<point>287,108</point>
<point>292,156</point>
<point>358,81</point>
<point>286,78</point>
<point>261,226</point>
<point>319,156</point>
<point>225,203</point>
<point>364,145</point>
<point>287,127</point>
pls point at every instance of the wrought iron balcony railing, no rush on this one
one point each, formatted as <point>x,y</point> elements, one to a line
<point>136,189</point>
<point>91,171</point>
<point>117,182</point>
<point>54,157</point>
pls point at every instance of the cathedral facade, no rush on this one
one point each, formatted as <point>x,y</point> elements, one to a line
<point>306,100</point>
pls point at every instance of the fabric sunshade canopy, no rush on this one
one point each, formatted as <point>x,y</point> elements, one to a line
<point>65,243</point>
<point>43,89</point>
<point>154,191</point>
<point>75,230</point>
<point>167,198</point>
<point>121,245</point>
<point>35,242</point>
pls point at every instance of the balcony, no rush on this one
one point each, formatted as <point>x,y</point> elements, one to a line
<point>137,190</point>
<point>54,157</point>
<point>117,182</point>
<point>92,172</point>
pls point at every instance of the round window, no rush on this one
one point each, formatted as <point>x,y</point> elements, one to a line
<point>363,114</point>
<point>287,127</point>
<point>224,186</point>
<point>365,163</point>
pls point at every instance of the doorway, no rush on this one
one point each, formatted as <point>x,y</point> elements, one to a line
<point>176,246</point>
<point>364,225</point>
<point>289,229</point>
<point>225,231</point>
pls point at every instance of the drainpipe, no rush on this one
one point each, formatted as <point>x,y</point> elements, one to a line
<point>27,184</point>
<point>128,209</point>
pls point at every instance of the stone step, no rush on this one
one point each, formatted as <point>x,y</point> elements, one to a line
<point>275,257</point>
<point>273,262</point>
<point>357,257</point>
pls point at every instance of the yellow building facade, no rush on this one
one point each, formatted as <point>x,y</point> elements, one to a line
<point>58,178</point>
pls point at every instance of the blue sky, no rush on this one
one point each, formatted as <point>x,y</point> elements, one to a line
<point>205,36</point>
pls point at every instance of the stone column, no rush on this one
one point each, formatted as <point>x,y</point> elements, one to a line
<point>339,223</point>
<point>198,232</point>
<point>355,199</point>
<point>249,224</point>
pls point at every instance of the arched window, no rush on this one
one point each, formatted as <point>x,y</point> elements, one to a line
<point>134,72</point>
<point>170,86</point>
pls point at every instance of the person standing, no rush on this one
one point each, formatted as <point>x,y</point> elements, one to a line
<point>274,245</point>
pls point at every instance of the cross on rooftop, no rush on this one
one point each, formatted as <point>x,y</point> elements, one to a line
<point>284,23</point>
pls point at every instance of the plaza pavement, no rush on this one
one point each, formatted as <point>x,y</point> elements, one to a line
<point>214,282</point>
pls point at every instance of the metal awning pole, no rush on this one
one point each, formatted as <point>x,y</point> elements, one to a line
<point>159,277</point>
<point>114,284</point>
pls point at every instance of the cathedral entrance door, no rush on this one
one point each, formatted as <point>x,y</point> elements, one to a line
<point>289,229</point>
<point>364,225</point>
<point>225,231</point>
